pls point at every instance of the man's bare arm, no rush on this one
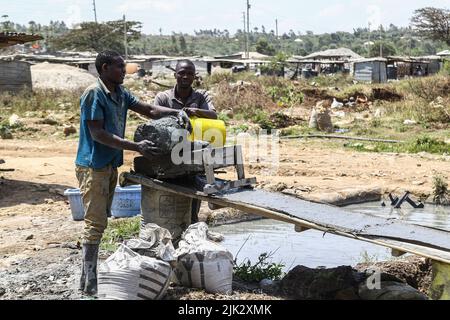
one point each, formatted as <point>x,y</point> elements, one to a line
<point>200,113</point>
<point>158,112</point>
<point>153,112</point>
<point>100,135</point>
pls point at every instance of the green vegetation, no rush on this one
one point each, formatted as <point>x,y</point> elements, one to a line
<point>421,144</point>
<point>119,231</point>
<point>39,101</point>
<point>441,194</point>
<point>263,269</point>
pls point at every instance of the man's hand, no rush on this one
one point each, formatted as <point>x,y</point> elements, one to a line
<point>191,112</point>
<point>148,149</point>
<point>183,120</point>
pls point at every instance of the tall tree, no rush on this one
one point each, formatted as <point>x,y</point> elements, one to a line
<point>262,46</point>
<point>183,45</point>
<point>99,36</point>
<point>432,23</point>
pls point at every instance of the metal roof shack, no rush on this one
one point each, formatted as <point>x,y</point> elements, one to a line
<point>341,54</point>
<point>8,39</point>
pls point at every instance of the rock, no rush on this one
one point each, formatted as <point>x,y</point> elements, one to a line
<point>49,121</point>
<point>160,132</point>
<point>69,130</point>
<point>390,290</point>
<point>49,201</point>
<point>14,121</point>
<point>29,237</point>
<point>6,134</point>
<point>2,291</point>
<point>303,283</point>
<point>410,122</point>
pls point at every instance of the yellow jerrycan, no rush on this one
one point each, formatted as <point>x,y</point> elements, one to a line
<point>212,131</point>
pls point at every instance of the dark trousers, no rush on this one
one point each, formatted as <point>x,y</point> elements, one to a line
<point>196,204</point>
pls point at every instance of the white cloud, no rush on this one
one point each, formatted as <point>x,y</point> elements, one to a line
<point>335,10</point>
<point>374,16</point>
<point>73,14</point>
<point>141,5</point>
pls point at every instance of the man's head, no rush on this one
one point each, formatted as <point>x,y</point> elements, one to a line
<point>185,74</point>
<point>111,66</point>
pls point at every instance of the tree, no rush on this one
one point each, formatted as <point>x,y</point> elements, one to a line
<point>432,23</point>
<point>99,36</point>
<point>183,45</point>
<point>263,47</point>
<point>32,27</point>
<point>388,49</point>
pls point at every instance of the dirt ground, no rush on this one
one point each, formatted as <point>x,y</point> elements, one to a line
<point>39,256</point>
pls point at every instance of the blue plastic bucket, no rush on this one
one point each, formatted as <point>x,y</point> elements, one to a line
<point>126,202</point>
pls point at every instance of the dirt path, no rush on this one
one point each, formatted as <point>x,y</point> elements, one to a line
<point>35,219</point>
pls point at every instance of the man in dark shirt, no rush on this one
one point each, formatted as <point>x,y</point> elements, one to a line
<point>196,103</point>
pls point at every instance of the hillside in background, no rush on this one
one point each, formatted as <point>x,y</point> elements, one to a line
<point>395,40</point>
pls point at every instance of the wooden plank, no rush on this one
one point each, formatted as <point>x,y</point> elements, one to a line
<point>300,229</point>
<point>397,253</point>
<point>252,205</point>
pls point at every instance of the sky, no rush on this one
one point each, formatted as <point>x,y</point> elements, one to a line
<point>319,16</point>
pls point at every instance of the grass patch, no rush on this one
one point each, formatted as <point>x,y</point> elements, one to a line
<point>119,231</point>
<point>421,144</point>
<point>39,100</point>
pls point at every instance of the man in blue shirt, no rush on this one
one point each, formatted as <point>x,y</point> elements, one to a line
<point>104,107</point>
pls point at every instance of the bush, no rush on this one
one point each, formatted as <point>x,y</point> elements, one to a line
<point>446,69</point>
<point>285,96</point>
<point>263,269</point>
<point>429,88</point>
<point>440,190</point>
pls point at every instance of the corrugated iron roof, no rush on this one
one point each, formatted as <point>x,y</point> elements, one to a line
<point>12,38</point>
<point>331,53</point>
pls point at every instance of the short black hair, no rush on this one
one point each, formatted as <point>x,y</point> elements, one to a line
<point>107,57</point>
<point>184,61</point>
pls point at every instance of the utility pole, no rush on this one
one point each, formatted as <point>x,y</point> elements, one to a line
<point>381,41</point>
<point>368,44</point>
<point>276,27</point>
<point>125,37</point>
<point>248,29</point>
<point>245,33</point>
<point>410,41</point>
<point>95,11</point>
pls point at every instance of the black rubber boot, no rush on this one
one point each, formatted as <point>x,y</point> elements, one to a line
<point>88,280</point>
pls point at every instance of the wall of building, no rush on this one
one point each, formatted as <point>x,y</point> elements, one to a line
<point>15,76</point>
<point>370,71</point>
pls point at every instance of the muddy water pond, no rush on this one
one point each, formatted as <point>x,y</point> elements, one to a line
<point>316,249</point>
